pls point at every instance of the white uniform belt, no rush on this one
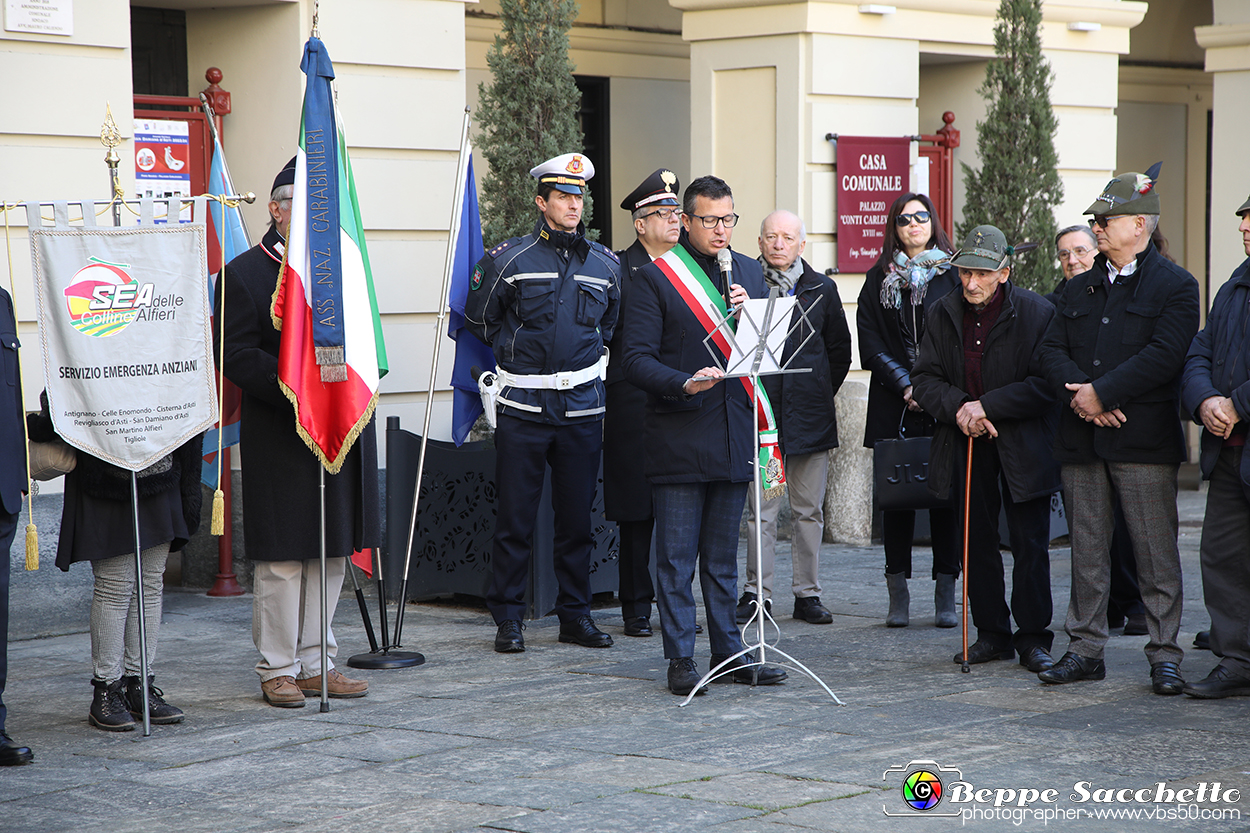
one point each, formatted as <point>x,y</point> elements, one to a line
<point>564,380</point>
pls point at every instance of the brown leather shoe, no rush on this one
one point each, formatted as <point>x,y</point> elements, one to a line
<point>337,686</point>
<point>283,693</point>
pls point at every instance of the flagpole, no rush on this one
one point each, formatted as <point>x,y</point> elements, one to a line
<point>439,331</point>
<point>225,168</point>
<point>325,651</point>
<point>141,608</point>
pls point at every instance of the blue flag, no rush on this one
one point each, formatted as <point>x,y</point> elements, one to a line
<point>235,238</point>
<point>470,351</point>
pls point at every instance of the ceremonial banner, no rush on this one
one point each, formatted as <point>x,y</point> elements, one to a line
<point>872,173</point>
<point>330,363</point>
<point>127,342</point>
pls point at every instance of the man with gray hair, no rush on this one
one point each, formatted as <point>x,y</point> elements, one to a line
<point>1076,246</point>
<point>807,425</point>
<point>282,484</point>
<point>1113,353</point>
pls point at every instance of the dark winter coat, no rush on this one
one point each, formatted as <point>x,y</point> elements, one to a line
<point>13,480</point>
<point>889,340</point>
<point>1017,399</point>
<point>1129,339</point>
<point>546,303</point>
<point>1218,364</point>
<point>803,402</point>
<point>177,472</point>
<point>281,477</point>
<point>626,492</point>
<point>688,439</point>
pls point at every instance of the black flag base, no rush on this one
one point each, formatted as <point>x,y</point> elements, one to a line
<point>387,659</point>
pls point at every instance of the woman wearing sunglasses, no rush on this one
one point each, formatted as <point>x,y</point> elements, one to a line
<point>911,274</point>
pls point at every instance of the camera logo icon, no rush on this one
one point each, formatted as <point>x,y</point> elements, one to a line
<point>922,784</point>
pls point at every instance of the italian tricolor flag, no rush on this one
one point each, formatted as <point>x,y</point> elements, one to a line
<point>332,356</point>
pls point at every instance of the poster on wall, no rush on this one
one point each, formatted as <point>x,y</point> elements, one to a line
<point>872,172</point>
<point>163,160</point>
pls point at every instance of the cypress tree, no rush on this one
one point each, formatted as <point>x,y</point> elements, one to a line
<point>528,113</point>
<point>1018,184</point>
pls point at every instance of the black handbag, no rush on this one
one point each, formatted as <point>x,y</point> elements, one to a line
<point>900,473</point>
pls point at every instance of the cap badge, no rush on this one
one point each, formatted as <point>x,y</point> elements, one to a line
<point>575,165</point>
<point>668,178</point>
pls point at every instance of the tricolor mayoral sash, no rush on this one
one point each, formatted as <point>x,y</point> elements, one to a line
<point>708,306</point>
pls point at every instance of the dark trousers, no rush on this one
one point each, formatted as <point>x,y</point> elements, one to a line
<point>1028,524</point>
<point>523,451</point>
<point>1225,558</point>
<point>898,528</point>
<point>698,523</point>
<point>633,564</point>
<point>8,525</point>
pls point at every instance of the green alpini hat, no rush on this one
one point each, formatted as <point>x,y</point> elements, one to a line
<point>1129,193</point>
<point>985,247</point>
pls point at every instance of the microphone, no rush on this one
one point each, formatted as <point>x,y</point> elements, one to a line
<point>725,260</point>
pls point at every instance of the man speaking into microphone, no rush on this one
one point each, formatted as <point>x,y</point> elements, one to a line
<point>699,447</point>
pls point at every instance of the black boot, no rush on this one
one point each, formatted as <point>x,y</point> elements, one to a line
<point>158,710</point>
<point>108,707</point>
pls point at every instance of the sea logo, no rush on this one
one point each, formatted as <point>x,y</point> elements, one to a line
<point>103,299</point>
<point>922,788</point>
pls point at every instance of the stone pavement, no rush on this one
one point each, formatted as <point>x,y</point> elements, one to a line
<point>564,738</point>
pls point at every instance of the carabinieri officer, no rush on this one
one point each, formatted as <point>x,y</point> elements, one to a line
<point>547,303</point>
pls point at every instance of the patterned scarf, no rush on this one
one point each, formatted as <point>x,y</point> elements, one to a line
<point>913,274</point>
<point>784,280</point>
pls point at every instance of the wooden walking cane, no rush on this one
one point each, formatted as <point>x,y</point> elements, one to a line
<point>967,510</point>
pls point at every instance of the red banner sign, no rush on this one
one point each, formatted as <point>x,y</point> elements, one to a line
<point>872,172</point>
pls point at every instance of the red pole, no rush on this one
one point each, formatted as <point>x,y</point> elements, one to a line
<point>226,583</point>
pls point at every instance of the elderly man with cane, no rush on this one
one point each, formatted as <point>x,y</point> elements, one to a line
<point>976,373</point>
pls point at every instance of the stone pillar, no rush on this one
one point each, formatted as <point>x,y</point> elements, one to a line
<point>848,501</point>
<point>1227,43</point>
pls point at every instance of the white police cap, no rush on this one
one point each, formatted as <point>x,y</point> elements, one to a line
<point>567,173</point>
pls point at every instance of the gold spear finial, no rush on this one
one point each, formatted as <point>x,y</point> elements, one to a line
<point>110,136</point>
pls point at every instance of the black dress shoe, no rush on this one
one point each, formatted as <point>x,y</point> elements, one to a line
<point>508,639</point>
<point>1202,640</point>
<point>1071,668</point>
<point>698,628</point>
<point>979,652</point>
<point>582,631</point>
<point>13,755</point>
<point>683,676</point>
<point>1135,625</point>
<point>746,608</point>
<point>1220,683</point>
<point>1165,678</point>
<point>638,626</point>
<point>748,674</point>
<point>810,610</point>
<point>1036,659</point>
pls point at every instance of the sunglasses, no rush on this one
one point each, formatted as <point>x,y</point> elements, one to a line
<point>904,220</point>
<point>1101,220</point>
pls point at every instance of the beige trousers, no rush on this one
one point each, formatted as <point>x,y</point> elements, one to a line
<point>286,615</point>
<point>807,475</point>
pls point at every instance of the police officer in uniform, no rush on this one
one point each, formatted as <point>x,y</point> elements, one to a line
<point>547,303</point>
<point>656,214</point>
